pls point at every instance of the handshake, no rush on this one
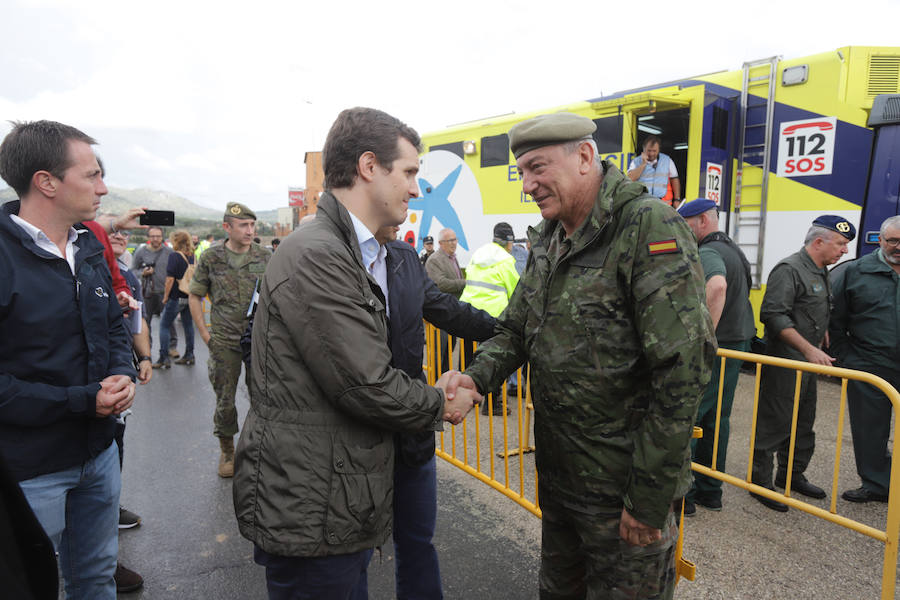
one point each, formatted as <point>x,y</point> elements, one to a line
<point>460,395</point>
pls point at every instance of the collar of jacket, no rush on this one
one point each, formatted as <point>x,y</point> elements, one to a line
<point>874,263</point>
<point>615,192</point>
<point>339,220</point>
<point>807,261</point>
<point>88,244</point>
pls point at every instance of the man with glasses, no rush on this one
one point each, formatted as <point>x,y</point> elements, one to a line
<point>151,260</point>
<point>864,328</point>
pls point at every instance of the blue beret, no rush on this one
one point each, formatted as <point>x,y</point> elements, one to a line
<point>838,224</point>
<point>696,207</point>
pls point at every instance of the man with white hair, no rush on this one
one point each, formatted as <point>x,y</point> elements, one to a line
<point>795,310</point>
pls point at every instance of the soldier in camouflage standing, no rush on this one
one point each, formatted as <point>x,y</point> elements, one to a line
<point>611,314</point>
<point>228,273</point>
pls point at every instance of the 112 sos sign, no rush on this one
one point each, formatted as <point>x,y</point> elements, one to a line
<point>806,147</point>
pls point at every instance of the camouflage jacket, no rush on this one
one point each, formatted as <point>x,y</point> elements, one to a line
<point>614,323</point>
<point>230,289</point>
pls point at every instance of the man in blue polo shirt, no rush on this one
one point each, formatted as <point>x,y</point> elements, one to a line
<point>65,360</point>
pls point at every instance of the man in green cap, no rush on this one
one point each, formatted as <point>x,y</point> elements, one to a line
<point>228,273</point>
<point>611,314</point>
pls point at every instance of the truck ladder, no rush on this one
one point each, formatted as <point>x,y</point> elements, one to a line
<point>754,150</point>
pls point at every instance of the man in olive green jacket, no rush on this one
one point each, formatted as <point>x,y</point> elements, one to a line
<point>795,311</point>
<point>611,314</point>
<point>865,329</point>
<point>314,464</point>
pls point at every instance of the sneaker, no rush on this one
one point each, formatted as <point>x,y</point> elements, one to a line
<point>185,360</point>
<point>162,363</point>
<point>173,353</point>
<point>128,519</point>
<point>127,580</point>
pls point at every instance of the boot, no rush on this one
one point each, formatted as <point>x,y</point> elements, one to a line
<point>226,460</point>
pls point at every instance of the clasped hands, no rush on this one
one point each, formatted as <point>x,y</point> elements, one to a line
<point>115,395</point>
<point>460,395</point>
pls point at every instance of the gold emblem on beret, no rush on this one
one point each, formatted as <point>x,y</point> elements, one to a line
<point>235,210</point>
<point>843,226</point>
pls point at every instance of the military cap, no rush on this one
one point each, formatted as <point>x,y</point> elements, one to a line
<point>503,232</point>
<point>838,224</point>
<point>239,211</point>
<point>546,130</point>
<point>696,207</point>
<point>427,240</point>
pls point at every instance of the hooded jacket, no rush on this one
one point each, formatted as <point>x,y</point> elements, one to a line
<point>60,335</point>
<point>614,324</point>
<point>491,278</point>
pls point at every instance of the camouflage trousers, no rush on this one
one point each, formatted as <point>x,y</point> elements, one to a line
<point>583,557</point>
<point>224,371</point>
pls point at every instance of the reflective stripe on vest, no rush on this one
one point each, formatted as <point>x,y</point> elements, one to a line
<point>656,180</point>
<point>489,286</point>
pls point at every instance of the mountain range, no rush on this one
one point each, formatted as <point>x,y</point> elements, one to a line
<point>119,200</point>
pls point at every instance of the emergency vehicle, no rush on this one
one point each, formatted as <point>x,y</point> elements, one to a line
<point>775,143</point>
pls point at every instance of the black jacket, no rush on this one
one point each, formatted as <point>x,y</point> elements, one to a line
<point>412,297</point>
<point>60,335</point>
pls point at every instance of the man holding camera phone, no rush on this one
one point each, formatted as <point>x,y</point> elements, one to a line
<point>151,260</point>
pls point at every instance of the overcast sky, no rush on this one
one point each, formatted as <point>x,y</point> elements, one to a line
<point>218,101</point>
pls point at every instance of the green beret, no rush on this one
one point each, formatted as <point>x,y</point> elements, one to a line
<point>546,130</point>
<point>238,211</point>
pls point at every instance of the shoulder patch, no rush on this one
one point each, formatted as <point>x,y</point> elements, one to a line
<point>663,247</point>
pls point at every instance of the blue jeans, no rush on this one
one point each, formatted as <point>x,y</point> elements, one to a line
<point>337,577</point>
<point>173,308</point>
<point>79,510</point>
<point>417,572</point>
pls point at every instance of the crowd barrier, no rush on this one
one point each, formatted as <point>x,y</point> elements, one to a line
<point>491,452</point>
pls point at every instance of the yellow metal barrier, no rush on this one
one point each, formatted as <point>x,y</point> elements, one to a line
<point>888,536</point>
<point>448,451</point>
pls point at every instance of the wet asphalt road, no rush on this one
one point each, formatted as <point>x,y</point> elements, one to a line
<point>189,547</point>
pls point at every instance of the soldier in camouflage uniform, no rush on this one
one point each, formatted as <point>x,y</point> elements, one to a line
<point>611,314</point>
<point>229,273</point>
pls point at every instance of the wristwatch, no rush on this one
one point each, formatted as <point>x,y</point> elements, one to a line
<point>143,358</point>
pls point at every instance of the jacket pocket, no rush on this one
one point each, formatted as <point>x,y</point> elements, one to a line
<point>360,496</point>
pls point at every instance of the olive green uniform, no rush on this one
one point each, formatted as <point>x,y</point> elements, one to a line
<point>797,295</point>
<point>865,329</point>
<point>229,279</point>
<point>613,320</point>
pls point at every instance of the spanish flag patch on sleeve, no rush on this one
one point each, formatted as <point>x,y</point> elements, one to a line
<point>663,247</point>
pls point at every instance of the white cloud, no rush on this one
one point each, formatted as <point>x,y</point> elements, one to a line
<point>215,100</point>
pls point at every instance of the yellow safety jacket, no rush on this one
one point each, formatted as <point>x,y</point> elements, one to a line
<point>491,278</point>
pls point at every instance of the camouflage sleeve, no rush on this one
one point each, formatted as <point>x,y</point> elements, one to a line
<point>496,358</point>
<point>678,345</point>
<point>200,281</point>
<point>778,301</point>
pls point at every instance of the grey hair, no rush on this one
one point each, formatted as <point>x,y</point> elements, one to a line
<point>817,232</point>
<point>574,145</point>
<point>888,223</point>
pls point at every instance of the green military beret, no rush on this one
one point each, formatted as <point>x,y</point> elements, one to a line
<point>239,211</point>
<point>546,130</point>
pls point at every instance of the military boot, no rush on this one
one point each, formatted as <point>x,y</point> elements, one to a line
<point>226,460</point>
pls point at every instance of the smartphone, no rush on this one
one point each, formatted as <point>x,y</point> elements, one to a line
<point>158,217</point>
